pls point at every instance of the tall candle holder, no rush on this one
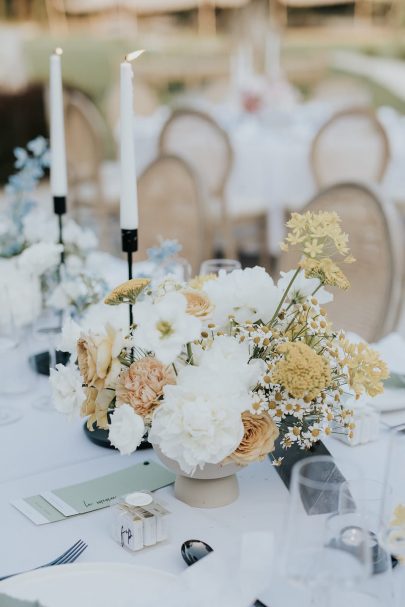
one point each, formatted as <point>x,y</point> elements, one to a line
<point>129,239</point>
<point>59,206</point>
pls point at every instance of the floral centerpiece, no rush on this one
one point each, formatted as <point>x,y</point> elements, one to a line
<point>218,369</point>
<point>29,249</point>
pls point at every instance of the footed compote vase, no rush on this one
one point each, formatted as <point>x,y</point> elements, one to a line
<point>213,486</point>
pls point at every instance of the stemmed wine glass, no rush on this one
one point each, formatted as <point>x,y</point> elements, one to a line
<point>213,266</point>
<point>46,329</point>
<point>16,376</point>
<point>393,507</point>
<point>325,551</point>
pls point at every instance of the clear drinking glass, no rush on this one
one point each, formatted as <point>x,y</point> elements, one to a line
<point>16,377</point>
<point>325,551</point>
<point>46,330</point>
<point>364,497</point>
<point>393,506</point>
<point>213,266</point>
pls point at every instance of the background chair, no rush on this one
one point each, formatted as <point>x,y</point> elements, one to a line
<point>85,142</point>
<point>351,145</point>
<point>372,306</point>
<point>170,206</point>
<point>198,139</point>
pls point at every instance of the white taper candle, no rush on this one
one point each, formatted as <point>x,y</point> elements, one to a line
<point>129,199</point>
<point>57,126</point>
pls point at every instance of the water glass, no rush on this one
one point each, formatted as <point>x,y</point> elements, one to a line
<point>46,330</point>
<point>214,266</point>
<point>393,506</point>
<point>325,550</point>
<point>365,496</point>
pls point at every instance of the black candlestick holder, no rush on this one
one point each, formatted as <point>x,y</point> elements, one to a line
<point>41,361</point>
<point>129,239</point>
<point>59,206</point>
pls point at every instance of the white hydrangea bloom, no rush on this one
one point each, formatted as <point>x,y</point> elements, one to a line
<point>248,294</point>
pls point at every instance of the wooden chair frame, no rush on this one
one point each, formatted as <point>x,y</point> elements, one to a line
<point>355,111</point>
<point>224,226</point>
<point>395,237</point>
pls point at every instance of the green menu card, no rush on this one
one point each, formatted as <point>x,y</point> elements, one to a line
<point>56,505</point>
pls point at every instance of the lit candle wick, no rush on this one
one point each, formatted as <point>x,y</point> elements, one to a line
<point>134,55</point>
<point>58,51</point>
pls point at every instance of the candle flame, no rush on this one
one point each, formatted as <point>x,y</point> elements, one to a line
<point>58,51</point>
<point>134,55</point>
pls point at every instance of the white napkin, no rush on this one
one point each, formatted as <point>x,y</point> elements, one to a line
<point>220,580</point>
<point>392,350</point>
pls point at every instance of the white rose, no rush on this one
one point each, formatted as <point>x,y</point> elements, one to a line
<point>67,390</point>
<point>126,429</point>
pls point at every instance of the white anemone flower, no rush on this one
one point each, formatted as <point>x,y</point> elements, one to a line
<point>248,294</point>
<point>163,327</point>
<point>302,287</point>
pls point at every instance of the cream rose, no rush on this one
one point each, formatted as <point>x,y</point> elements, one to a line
<point>142,384</point>
<point>198,304</point>
<point>97,357</point>
<point>260,433</point>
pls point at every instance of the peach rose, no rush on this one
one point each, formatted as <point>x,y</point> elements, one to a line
<point>258,439</point>
<point>198,303</point>
<point>142,384</point>
<point>97,357</point>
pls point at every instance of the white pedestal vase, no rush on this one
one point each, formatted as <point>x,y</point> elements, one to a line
<point>214,486</point>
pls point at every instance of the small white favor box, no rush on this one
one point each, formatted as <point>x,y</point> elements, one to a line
<point>139,521</point>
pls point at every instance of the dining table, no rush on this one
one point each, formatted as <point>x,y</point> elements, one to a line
<point>43,450</point>
<point>271,168</point>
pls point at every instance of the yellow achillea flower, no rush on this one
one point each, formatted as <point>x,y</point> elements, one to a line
<point>301,371</point>
<point>320,235</point>
<point>127,292</point>
<point>326,270</point>
<point>366,370</point>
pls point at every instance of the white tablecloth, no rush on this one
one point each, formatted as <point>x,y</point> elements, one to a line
<point>44,451</point>
<point>271,170</point>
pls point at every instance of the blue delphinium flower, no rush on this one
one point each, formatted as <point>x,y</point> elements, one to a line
<point>165,251</point>
<point>31,163</point>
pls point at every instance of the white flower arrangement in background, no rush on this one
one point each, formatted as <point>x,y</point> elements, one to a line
<point>219,369</point>
<point>29,244</point>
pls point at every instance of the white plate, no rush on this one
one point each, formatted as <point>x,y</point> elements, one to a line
<point>87,584</point>
<point>391,399</point>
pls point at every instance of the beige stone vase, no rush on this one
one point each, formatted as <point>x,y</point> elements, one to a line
<point>214,486</point>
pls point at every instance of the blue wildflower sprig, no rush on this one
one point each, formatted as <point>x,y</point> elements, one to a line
<point>31,164</point>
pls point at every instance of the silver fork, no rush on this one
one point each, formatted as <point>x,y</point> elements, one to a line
<point>69,556</point>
